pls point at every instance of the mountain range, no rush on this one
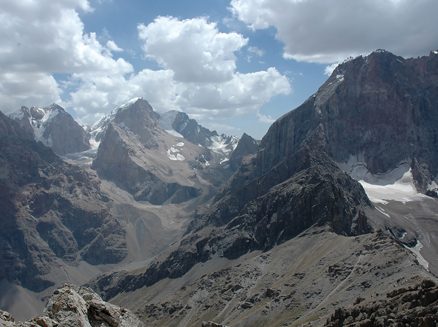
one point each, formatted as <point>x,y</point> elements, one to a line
<point>319,223</point>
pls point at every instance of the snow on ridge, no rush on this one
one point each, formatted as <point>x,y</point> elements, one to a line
<point>123,107</point>
<point>174,133</point>
<point>166,120</point>
<point>416,250</point>
<point>17,115</point>
<point>174,154</point>
<point>395,185</point>
<point>223,145</point>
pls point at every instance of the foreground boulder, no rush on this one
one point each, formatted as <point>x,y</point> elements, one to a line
<point>76,306</point>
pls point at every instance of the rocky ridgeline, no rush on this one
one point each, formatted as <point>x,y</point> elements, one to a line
<point>73,306</point>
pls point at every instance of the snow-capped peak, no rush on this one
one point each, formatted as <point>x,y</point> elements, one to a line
<point>123,107</point>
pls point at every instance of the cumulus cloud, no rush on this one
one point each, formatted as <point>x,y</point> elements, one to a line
<point>242,95</point>
<point>40,38</point>
<point>112,46</point>
<point>193,48</point>
<point>265,119</point>
<point>198,65</point>
<point>330,31</point>
<point>257,51</point>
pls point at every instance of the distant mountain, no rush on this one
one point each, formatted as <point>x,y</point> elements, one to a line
<point>52,214</point>
<point>153,165</point>
<point>291,237</point>
<point>54,127</point>
<point>221,146</point>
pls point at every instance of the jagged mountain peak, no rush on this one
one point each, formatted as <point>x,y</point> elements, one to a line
<point>54,127</point>
<point>133,115</point>
<point>381,108</point>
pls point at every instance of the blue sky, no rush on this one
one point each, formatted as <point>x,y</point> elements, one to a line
<point>233,65</point>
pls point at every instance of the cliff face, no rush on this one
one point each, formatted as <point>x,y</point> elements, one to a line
<point>380,109</point>
<point>51,212</point>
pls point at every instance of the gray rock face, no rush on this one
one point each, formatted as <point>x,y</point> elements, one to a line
<point>49,211</point>
<point>73,306</point>
<point>382,108</point>
<point>130,155</point>
<point>54,127</point>
<point>246,146</point>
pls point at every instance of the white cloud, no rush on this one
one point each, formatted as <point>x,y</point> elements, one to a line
<point>39,38</point>
<point>330,31</point>
<point>330,68</point>
<point>256,50</point>
<point>265,119</point>
<point>199,74</point>
<point>241,96</point>
<point>112,46</point>
<point>220,128</point>
<point>194,49</point>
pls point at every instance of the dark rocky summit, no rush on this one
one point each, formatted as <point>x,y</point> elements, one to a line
<point>51,213</point>
<point>246,146</point>
<point>381,108</point>
<point>76,306</point>
<point>54,127</point>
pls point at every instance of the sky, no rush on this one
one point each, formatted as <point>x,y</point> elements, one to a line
<point>233,65</point>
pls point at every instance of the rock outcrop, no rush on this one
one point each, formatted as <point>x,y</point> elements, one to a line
<point>49,211</point>
<point>54,127</point>
<point>73,306</point>
<point>416,305</point>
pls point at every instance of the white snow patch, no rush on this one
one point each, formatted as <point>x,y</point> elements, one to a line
<point>174,133</point>
<point>403,190</point>
<point>180,144</point>
<point>173,154</point>
<point>122,107</point>
<point>94,144</point>
<point>383,211</point>
<point>340,77</point>
<point>166,120</point>
<point>223,145</point>
<point>16,115</point>
<point>416,250</point>
<point>224,160</point>
<point>435,52</point>
<point>396,185</point>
